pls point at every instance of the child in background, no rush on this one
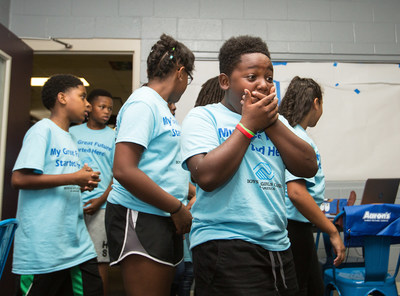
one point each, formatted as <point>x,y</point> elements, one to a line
<point>53,252</point>
<point>210,92</point>
<point>145,218</point>
<point>237,151</point>
<point>183,277</point>
<point>96,144</point>
<point>172,108</point>
<point>302,107</point>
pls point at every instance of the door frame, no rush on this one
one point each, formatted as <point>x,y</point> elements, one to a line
<point>92,46</point>
<point>4,119</point>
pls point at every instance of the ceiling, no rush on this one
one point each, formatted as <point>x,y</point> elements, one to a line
<point>110,72</point>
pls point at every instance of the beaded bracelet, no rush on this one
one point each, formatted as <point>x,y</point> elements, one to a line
<point>248,133</point>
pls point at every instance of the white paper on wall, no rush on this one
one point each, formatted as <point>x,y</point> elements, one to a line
<point>358,134</point>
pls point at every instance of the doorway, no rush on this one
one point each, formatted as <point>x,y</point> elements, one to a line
<point>110,72</point>
<point>111,64</point>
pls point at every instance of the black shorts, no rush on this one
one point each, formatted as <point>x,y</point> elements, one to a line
<point>237,267</point>
<point>83,279</point>
<point>131,232</point>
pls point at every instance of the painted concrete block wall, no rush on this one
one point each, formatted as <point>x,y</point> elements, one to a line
<point>289,26</point>
<point>354,27</point>
<point>4,12</point>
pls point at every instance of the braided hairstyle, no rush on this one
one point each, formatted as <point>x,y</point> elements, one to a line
<point>232,50</point>
<point>56,84</point>
<point>299,98</point>
<point>210,92</point>
<point>166,55</point>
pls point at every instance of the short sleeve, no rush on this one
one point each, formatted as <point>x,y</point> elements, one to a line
<point>199,134</point>
<point>33,151</point>
<point>302,135</point>
<point>136,124</point>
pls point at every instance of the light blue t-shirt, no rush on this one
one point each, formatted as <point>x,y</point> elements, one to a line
<point>145,119</point>
<point>96,148</point>
<point>52,234</point>
<point>250,206</point>
<point>315,185</point>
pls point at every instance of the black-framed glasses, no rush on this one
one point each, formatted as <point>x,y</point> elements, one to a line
<point>190,78</point>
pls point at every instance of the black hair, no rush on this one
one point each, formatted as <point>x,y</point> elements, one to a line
<point>232,50</point>
<point>56,84</point>
<point>96,93</point>
<point>210,93</point>
<point>165,55</point>
<point>299,98</point>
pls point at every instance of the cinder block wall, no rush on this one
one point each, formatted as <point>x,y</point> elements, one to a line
<point>4,12</point>
<point>354,27</point>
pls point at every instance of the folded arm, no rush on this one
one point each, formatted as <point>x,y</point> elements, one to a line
<point>213,169</point>
<point>86,178</point>
<point>91,206</point>
<point>298,156</point>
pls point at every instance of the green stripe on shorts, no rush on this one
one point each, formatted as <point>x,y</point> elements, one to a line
<point>25,283</point>
<point>77,283</point>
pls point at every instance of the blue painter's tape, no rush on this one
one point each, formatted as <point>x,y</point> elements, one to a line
<point>337,84</point>
<point>279,63</point>
<point>357,91</point>
<point>278,90</point>
<point>335,64</point>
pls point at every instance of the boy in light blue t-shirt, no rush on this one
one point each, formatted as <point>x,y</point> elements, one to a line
<point>96,145</point>
<point>53,252</point>
<point>237,152</point>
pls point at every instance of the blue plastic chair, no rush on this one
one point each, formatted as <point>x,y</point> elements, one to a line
<point>375,228</point>
<point>7,230</point>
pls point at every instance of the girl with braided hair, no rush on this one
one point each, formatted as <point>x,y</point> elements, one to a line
<point>302,107</point>
<point>210,92</point>
<point>145,219</point>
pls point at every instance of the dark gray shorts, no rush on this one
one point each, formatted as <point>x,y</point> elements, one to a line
<point>131,232</point>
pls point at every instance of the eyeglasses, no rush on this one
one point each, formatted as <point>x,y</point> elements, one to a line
<point>190,78</point>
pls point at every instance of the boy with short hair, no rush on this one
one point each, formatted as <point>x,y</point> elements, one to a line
<point>53,252</point>
<point>96,146</point>
<point>237,152</point>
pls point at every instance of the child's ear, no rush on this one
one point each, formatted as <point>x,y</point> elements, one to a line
<point>316,103</point>
<point>223,81</point>
<point>61,98</point>
<point>180,73</point>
